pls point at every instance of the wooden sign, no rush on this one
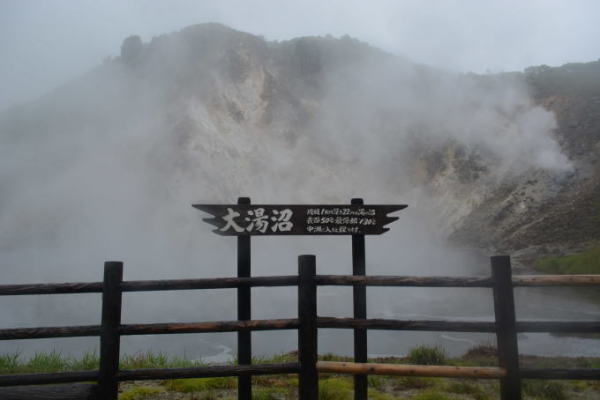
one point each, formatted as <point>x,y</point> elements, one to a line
<point>259,219</point>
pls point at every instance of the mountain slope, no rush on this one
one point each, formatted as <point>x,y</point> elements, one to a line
<point>498,161</point>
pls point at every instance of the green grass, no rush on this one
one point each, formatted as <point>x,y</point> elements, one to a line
<point>139,393</point>
<point>49,362</point>
<point>200,384</point>
<point>267,394</point>
<point>336,389</point>
<point>427,355</point>
<point>376,395</point>
<point>9,362</point>
<point>413,382</point>
<point>88,362</point>
<point>586,262</point>
<point>154,360</point>
<point>431,395</point>
<point>544,390</point>
<point>55,361</point>
<point>468,388</point>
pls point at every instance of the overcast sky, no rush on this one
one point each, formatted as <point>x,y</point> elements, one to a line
<point>44,43</point>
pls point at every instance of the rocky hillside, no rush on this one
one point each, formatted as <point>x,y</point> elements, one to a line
<point>505,161</point>
<point>544,212</point>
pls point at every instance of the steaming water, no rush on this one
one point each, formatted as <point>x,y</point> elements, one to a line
<point>401,252</point>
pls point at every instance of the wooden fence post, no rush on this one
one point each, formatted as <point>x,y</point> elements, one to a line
<point>307,333</point>
<point>108,386</point>
<point>506,333</point>
<point>244,311</point>
<point>359,293</point>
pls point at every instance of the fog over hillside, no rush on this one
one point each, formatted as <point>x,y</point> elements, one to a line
<point>108,165</point>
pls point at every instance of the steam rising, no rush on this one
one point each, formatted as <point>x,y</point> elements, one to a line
<point>108,166</point>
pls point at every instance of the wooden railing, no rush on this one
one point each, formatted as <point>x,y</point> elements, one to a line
<point>111,329</point>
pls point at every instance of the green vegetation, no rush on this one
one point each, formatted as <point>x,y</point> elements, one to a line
<point>426,355</point>
<point>331,386</point>
<point>9,363</point>
<point>139,393</point>
<point>431,395</point>
<point>414,382</point>
<point>544,390</point>
<point>568,79</point>
<point>200,384</point>
<point>336,389</point>
<point>267,394</point>
<point>586,262</point>
<point>53,361</point>
<point>154,360</point>
<point>467,388</point>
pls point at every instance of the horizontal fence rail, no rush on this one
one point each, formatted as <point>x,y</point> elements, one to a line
<point>286,324</point>
<point>75,391</point>
<point>403,281</point>
<point>556,280</point>
<point>48,378</point>
<point>49,332</point>
<point>206,327</point>
<point>307,323</point>
<point>208,372</point>
<point>292,280</point>
<point>150,285</point>
<point>440,371</point>
<point>561,373</point>
<point>399,325</point>
<point>453,372</point>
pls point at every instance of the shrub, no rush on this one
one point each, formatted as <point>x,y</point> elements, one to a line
<point>426,355</point>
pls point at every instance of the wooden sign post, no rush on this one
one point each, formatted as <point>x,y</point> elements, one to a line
<point>245,219</point>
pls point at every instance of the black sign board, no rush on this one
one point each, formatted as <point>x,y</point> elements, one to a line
<point>260,219</point>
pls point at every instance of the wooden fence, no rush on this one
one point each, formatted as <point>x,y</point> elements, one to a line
<point>307,324</point>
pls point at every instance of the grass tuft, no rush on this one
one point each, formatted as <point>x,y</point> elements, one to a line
<point>52,361</point>
<point>88,362</point>
<point>10,362</point>
<point>427,355</point>
<point>200,384</point>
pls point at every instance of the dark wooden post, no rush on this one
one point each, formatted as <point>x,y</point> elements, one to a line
<point>307,333</point>
<point>244,307</point>
<point>360,310</point>
<point>506,333</point>
<point>108,386</point>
